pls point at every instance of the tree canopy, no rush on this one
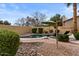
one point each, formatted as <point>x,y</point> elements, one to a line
<point>5,22</point>
<point>57,18</point>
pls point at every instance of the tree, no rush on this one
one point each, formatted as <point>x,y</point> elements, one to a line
<point>6,23</point>
<point>26,21</point>
<point>30,21</point>
<point>1,21</point>
<point>55,21</point>
<point>57,18</point>
<point>20,22</point>
<point>39,17</point>
<point>74,16</point>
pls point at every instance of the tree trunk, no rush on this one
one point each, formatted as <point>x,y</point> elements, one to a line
<point>56,33</point>
<point>74,17</point>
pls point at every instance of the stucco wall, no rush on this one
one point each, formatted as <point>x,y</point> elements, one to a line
<point>69,24</point>
<point>18,29</point>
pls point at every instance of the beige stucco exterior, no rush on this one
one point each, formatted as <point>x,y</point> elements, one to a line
<point>70,22</point>
<point>68,25</point>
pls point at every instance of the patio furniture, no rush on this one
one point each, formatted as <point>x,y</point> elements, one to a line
<point>67,32</point>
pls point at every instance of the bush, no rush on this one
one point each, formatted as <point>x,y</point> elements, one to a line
<point>9,43</point>
<point>76,35</point>
<point>51,31</point>
<point>34,30</point>
<point>40,30</point>
<point>46,32</point>
<point>63,37</point>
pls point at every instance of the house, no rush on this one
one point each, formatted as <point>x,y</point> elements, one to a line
<point>69,22</point>
<point>68,25</point>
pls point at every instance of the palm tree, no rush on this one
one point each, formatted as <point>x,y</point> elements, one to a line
<point>74,16</point>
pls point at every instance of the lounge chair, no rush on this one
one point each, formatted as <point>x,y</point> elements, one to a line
<point>67,32</point>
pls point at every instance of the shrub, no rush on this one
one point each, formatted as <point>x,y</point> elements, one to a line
<point>51,31</point>
<point>46,32</point>
<point>9,43</point>
<point>63,37</point>
<point>40,30</point>
<point>76,35</point>
<point>34,30</point>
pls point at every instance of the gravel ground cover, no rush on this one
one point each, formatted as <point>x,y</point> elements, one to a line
<point>47,48</point>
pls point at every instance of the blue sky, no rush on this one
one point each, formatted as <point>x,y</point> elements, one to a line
<point>13,11</point>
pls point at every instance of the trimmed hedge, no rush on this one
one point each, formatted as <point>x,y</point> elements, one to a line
<point>40,30</point>
<point>76,35</point>
<point>63,37</point>
<point>9,43</point>
<point>34,30</point>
